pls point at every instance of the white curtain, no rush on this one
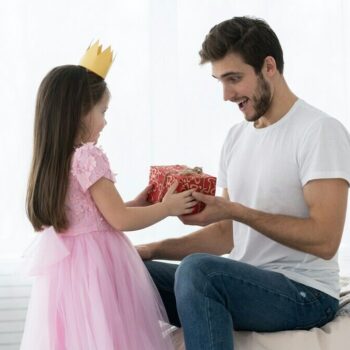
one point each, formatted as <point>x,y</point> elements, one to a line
<point>165,108</point>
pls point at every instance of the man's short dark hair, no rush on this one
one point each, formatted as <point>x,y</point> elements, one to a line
<point>251,38</point>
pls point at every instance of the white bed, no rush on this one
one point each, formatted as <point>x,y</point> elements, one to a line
<point>335,335</point>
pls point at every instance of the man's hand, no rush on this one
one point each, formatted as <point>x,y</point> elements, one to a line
<point>145,251</point>
<point>141,199</point>
<point>216,209</point>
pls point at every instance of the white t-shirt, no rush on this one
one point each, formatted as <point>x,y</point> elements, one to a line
<point>266,169</point>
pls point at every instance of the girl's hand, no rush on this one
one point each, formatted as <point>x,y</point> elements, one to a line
<point>141,199</point>
<point>179,203</point>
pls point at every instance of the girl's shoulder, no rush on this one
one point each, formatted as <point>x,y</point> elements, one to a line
<point>87,155</point>
<point>89,163</point>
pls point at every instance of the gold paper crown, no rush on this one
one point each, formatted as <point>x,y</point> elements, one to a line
<point>96,60</point>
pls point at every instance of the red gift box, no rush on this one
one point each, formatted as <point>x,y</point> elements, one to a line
<point>161,177</point>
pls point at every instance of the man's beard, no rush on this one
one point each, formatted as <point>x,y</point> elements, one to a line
<point>261,99</point>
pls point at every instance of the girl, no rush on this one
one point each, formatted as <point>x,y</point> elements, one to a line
<point>92,291</point>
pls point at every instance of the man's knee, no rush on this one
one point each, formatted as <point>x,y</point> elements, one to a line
<point>191,275</point>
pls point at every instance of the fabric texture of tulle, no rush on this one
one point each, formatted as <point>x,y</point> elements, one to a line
<point>91,289</point>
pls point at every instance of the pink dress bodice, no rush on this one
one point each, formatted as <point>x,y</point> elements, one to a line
<point>89,164</point>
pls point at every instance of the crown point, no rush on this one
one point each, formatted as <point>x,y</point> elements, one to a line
<point>96,60</point>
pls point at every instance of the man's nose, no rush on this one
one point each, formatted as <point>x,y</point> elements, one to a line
<point>228,93</point>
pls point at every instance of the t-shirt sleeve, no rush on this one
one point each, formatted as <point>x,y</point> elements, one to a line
<point>325,152</point>
<point>89,164</point>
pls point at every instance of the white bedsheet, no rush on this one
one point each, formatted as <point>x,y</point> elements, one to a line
<point>335,335</point>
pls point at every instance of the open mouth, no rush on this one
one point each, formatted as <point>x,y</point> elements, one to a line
<point>242,103</point>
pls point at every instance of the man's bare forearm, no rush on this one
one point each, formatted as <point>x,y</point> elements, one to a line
<point>304,234</point>
<point>214,239</point>
<point>319,233</point>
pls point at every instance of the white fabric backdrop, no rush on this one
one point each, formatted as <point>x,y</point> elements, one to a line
<point>165,108</point>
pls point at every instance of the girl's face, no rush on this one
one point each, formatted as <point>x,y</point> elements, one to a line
<point>95,121</point>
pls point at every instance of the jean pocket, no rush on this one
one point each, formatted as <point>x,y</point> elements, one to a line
<point>329,314</point>
<point>317,309</point>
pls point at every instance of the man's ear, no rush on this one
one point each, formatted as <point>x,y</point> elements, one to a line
<point>269,66</point>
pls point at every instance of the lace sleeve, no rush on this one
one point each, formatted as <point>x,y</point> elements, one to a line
<point>89,164</point>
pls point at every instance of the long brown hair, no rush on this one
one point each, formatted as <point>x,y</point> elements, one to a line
<point>65,96</point>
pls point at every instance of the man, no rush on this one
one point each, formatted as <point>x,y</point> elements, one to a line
<point>285,172</point>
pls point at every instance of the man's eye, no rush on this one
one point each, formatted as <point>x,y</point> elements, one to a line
<point>234,79</point>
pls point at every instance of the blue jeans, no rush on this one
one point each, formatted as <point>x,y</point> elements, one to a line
<point>209,296</point>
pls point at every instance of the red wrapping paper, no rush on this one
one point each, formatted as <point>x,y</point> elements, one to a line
<point>161,178</point>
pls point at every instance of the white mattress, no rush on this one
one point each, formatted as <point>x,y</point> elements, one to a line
<point>333,336</point>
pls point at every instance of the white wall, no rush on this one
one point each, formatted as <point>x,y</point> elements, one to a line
<point>165,108</point>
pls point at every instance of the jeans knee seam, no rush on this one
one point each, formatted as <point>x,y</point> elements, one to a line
<point>211,344</point>
<point>209,318</point>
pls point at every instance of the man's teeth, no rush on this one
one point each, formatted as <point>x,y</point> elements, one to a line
<point>242,102</point>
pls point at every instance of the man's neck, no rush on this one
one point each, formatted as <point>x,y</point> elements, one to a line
<point>282,101</point>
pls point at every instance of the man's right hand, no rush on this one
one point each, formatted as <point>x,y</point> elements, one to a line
<point>145,251</point>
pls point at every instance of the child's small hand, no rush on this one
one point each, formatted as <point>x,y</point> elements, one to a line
<point>179,203</point>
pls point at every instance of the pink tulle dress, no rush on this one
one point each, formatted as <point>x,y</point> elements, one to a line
<point>91,289</point>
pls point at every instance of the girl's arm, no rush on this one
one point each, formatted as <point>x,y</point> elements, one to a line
<point>123,218</point>
<point>141,199</point>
